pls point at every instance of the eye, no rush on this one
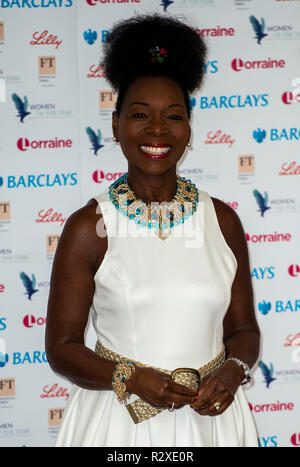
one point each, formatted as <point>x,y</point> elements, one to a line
<point>139,115</point>
<point>175,117</point>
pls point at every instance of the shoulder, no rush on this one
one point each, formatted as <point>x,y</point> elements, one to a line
<point>231,226</point>
<point>80,235</point>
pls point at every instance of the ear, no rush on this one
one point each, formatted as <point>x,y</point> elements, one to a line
<point>115,125</point>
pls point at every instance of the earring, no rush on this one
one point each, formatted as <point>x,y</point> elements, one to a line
<point>189,144</point>
<point>115,139</point>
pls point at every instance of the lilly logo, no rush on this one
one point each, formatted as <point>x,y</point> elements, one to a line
<point>3,354</point>
<point>165,4</point>
<point>90,36</point>
<point>258,28</point>
<point>95,139</point>
<point>262,201</point>
<point>29,284</point>
<point>259,135</point>
<point>267,373</point>
<point>264,307</point>
<point>21,106</point>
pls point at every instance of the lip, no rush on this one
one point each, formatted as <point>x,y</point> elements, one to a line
<point>155,145</point>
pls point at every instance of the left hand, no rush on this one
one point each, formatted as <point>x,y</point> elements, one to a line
<point>218,388</point>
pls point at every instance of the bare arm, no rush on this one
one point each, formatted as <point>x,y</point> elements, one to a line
<point>79,253</point>
<point>241,331</point>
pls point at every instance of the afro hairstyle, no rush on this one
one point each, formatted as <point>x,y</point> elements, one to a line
<point>128,53</point>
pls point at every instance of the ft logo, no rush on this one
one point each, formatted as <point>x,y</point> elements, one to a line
<point>47,65</point>
<point>55,416</point>
<point>107,99</point>
<point>1,31</point>
<point>51,243</point>
<point>4,210</point>
<point>7,387</point>
<point>246,163</point>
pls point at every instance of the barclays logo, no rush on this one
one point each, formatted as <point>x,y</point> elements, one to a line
<point>90,36</point>
<point>259,135</point>
<point>277,134</point>
<point>40,180</point>
<point>235,101</point>
<point>211,67</point>
<point>35,3</point>
<point>263,273</point>
<point>279,306</point>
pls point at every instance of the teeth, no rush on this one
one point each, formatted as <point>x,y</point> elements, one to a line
<point>154,150</point>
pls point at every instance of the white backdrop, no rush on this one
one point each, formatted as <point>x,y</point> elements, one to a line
<point>245,151</point>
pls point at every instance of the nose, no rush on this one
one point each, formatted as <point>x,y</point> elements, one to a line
<point>157,126</point>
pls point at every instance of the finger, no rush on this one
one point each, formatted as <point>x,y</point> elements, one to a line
<point>183,390</point>
<point>207,393</point>
<point>217,407</point>
<point>178,399</point>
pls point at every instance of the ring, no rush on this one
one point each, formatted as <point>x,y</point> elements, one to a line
<point>217,405</point>
<point>170,409</point>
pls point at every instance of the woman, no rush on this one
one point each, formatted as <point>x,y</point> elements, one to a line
<point>158,302</point>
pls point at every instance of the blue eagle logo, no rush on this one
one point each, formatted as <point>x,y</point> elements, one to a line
<point>267,373</point>
<point>262,201</point>
<point>259,135</point>
<point>90,36</point>
<point>259,28</point>
<point>264,307</point>
<point>166,3</point>
<point>29,284</point>
<point>21,106</point>
<point>95,139</point>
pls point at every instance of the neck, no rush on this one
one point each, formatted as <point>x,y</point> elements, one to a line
<point>153,188</point>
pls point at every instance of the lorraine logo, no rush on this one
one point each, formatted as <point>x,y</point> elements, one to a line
<point>21,106</point>
<point>95,139</point>
<point>29,284</point>
<point>294,270</point>
<point>90,36</point>
<point>259,28</point>
<point>3,354</point>
<point>264,307</point>
<point>165,4</point>
<point>259,135</point>
<point>262,201</point>
<point>267,373</point>
<point>295,439</point>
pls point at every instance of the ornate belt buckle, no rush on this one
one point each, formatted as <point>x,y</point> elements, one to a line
<point>186,370</point>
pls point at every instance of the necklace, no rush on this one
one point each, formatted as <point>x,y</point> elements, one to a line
<point>159,216</point>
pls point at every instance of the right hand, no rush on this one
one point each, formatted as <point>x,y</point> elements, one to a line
<point>158,389</point>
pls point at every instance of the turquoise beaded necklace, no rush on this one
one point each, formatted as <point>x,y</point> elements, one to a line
<point>159,216</point>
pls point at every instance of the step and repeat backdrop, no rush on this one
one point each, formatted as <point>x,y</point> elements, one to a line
<point>57,151</point>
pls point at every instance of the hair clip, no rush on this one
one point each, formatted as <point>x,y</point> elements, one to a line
<point>158,54</point>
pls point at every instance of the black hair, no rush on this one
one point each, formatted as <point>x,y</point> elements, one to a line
<point>154,45</point>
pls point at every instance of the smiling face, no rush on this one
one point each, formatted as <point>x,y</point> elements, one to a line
<point>153,126</point>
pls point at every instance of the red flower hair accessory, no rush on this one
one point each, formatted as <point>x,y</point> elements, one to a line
<point>158,54</point>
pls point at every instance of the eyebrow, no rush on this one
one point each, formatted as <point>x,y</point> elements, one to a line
<point>145,103</point>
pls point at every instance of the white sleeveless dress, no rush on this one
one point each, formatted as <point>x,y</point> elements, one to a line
<point>160,302</point>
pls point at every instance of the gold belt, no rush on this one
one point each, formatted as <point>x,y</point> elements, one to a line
<point>140,410</point>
